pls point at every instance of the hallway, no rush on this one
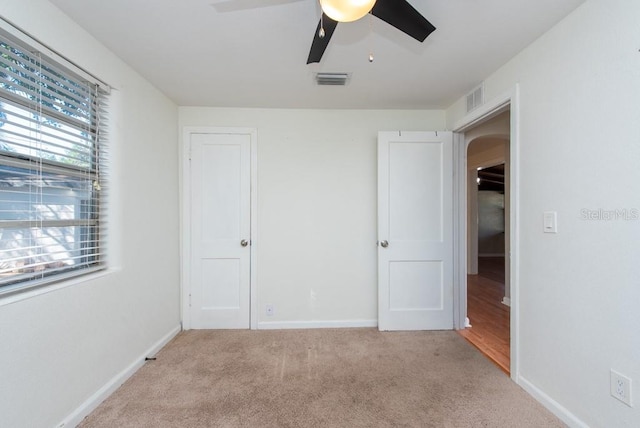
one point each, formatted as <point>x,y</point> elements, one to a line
<point>488,316</point>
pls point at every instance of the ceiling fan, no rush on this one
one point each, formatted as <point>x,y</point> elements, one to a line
<point>398,13</point>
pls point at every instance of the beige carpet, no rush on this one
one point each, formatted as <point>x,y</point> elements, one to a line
<point>320,378</point>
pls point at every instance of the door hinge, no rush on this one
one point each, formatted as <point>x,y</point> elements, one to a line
<point>189,299</point>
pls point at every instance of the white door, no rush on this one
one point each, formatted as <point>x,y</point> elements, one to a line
<point>415,231</point>
<point>220,230</point>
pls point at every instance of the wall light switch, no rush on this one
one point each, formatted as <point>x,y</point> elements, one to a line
<point>550,222</point>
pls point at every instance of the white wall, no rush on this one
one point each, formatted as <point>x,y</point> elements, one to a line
<point>317,257</point>
<point>579,147</point>
<point>57,349</point>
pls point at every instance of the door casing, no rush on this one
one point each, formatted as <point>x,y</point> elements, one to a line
<point>185,226</point>
<point>490,109</point>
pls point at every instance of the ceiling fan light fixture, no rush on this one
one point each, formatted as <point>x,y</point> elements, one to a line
<point>346,10</point>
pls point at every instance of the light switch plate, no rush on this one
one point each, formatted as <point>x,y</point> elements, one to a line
<point>550,222</point>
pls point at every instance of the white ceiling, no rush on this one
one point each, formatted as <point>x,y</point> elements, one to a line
<point>252,53</point>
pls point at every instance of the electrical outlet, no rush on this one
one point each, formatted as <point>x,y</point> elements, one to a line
<point>269,310</point>
<point>621,387</point>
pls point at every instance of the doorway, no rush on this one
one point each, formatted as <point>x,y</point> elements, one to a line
<point>488,239</point>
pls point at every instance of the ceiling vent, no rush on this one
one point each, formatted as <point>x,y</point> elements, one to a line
<point>332,79</point>
<point>475,98</point>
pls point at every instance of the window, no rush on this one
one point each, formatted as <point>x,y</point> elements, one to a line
<point>51,153</point>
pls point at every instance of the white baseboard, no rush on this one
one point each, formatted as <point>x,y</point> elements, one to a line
<point>109,388</point>
<point>506,301</point>
<point>553,406</point>
<point>283,325</point>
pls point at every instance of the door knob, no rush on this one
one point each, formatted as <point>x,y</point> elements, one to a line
<point>244,242</point>
<point>384,244</point>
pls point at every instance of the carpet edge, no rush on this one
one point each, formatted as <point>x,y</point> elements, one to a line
<point>88,406</point>
<point>284,325</point>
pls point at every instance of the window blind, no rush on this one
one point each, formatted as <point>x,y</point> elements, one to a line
<point>52,154</point>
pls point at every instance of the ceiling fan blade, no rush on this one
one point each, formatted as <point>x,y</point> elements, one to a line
<point>319,45</point>
<point>404,17</point>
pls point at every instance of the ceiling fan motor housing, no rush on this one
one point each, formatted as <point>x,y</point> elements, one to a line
<point>346,10</point>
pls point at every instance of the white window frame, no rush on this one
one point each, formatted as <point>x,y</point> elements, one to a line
<point>93,174</point>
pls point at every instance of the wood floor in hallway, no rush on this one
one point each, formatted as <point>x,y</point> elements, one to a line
<point>488,316</point>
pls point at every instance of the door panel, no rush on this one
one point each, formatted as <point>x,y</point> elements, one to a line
<point>406,290</point>
<point>221,204</point>
<point>415,201</point>
<point>220,222</point>
<point>221,284</point>
<point>416,213</point>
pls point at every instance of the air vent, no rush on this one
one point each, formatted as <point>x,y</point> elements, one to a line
<point>332,79</point>
<point>475,98</point>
